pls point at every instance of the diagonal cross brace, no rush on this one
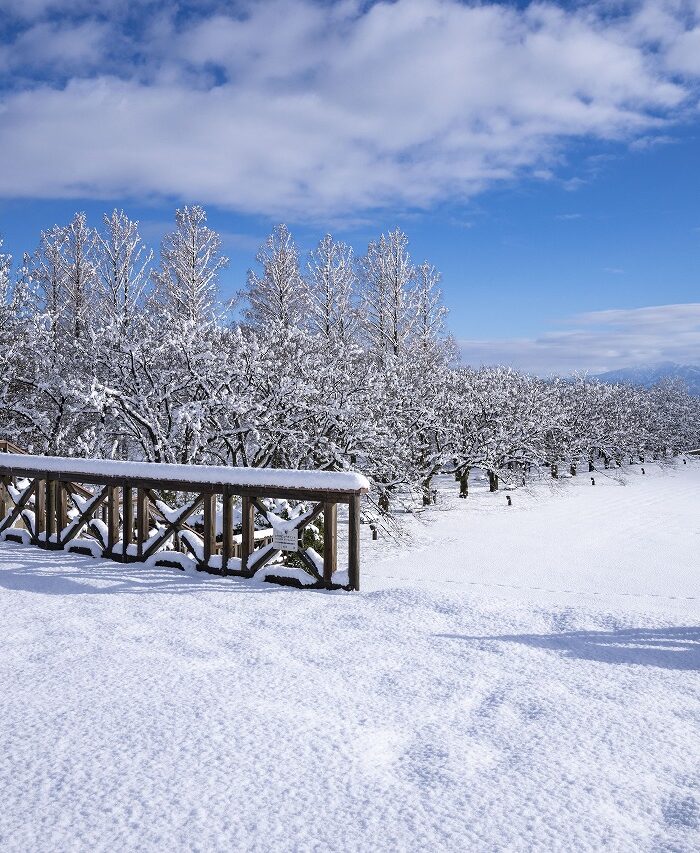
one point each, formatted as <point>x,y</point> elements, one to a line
<point>19,505</point>
<point>71,530</point>
<point>263,555</point>
<point>172,527</point>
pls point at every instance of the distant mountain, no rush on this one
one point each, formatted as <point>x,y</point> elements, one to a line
<point>649,375</point>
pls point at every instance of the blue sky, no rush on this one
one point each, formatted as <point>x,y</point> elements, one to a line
<point>545,157</point>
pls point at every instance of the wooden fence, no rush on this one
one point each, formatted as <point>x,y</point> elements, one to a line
<point>172,514</point>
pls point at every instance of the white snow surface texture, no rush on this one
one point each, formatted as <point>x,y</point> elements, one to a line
<point>509,679</point>
<point>253,477</point>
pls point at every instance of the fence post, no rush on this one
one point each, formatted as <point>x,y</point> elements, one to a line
<point>330,540</point>
<point>50,508</point>
<point>141,521</point>
<point>39,508</point>
<point>227,525</point>
<point>128,516</point>
<point>354,542</point>
<point>247,531</point>
<point>209,532</point>
<point>61,510</point>
<point>112,519</point>
<point>5,502</point>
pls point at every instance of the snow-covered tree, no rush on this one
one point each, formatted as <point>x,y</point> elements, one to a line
<point>124,269</point>
<point>276,297</point>
<point>388,276</point>
<point>428,326</point>
<point>346,366</point>
<point>329,286</point>
<point>64,272</point>
<point>190,263</point>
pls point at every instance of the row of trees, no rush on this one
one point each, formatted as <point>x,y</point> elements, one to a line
<point>333,361</point>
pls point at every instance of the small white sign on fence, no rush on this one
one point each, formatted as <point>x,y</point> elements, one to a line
<point>285,540</point>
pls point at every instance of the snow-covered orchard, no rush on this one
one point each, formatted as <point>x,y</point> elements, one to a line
<point>521,670</point>
<point>332,361</point>
<point>522,678</point>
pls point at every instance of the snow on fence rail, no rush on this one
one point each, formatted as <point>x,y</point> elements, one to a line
<point>119,510</point>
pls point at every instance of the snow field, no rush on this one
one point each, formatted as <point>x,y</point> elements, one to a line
<point>629,535</point>
<point>521,678</point>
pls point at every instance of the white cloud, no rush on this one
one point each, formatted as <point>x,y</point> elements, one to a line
<point>684,55</point>
<point>53,45</point>
<point>600,341</point>
<point>308,109</point>
<point>643,143</point>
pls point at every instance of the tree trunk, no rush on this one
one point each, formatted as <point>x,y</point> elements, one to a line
<point>555,470</point>
<point>383,503</point>
<point>493,481</point>
<point>464,484</point>
<point>572,469</point>
<point>427,492</point>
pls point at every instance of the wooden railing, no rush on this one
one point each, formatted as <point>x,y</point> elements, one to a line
<point>8,447</point>
<point>130,511</point>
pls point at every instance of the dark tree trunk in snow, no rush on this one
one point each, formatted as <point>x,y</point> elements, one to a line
<point>464,484</point>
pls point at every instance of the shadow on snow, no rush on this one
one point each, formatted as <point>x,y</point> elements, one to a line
<point>28,569</point>
<point>668,648</point>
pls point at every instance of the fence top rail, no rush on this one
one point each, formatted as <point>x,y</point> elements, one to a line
<point>278,479</point>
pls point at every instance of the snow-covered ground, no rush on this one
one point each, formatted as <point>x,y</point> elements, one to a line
<point>510,678</point>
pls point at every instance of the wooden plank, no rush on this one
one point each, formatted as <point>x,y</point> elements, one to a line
<point>310,565</point>
<point>61,511</point>
<point>16,512</point>
<point>142,521</point>
<point>247,531</point>
<point>313,495</point>
<point>302,521</point>
<point>209,532</point>
<point>259,560</point>
<point>8,447</point>
<point>84,517</point>
<point>50,490</point>
<point>307,519</point>
<point>354,543</point>
<point>173,527</point>
<point>227,531</point>
<point>128,519</point>
<point>5,500</point>
<point>39,508</point>
<point>112,518</point>
<point>330,540</point>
